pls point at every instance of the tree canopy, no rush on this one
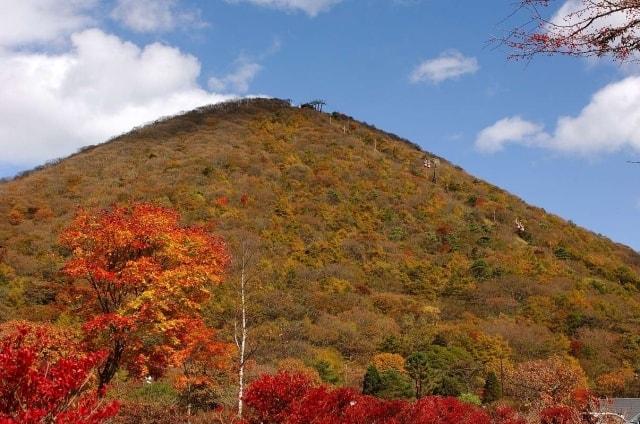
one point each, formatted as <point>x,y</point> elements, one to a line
<point>141,278</point>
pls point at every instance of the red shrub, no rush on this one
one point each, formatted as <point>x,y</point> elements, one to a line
<point>506,415</point>
<point>292,399</point>
<point>39,384</point>
<point>443,410</point>
<point>343,406</point>
<point>271,397</point>
<point>560,414</point>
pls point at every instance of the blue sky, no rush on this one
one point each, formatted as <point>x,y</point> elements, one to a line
<point>556,132</point>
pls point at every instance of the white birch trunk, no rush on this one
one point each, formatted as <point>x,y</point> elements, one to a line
<point>242,341</point>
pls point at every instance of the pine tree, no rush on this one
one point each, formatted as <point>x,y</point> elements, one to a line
<point>417,366</point>
<point>492,389</point>
<point>327,372</point>
<point>395,385</point>
<point>372,382</point>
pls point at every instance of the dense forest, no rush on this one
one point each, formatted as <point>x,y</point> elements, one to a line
<point>338,256</point>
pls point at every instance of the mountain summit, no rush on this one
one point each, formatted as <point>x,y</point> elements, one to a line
<point>367,243</point>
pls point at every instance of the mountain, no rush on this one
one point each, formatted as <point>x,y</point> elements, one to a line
<point>364,249</point>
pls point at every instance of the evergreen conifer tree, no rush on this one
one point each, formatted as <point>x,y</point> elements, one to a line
<point>372,382</point>
<point>492,389</point>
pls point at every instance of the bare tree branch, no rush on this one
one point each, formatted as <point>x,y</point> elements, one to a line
<point>594,28</point>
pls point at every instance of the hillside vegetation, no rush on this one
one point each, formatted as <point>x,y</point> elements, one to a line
<point>362,256</point>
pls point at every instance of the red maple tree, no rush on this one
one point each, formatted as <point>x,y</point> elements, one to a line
<point>141,278</point>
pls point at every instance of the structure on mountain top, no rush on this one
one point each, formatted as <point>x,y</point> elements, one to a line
<point>317,104</point>
<point>520,226</point>
<point>432,164</point>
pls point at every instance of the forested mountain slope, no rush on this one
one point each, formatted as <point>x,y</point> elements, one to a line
<point>362,251</point>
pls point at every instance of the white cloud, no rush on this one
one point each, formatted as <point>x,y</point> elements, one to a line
<point>509,130</point>
<point>237,81</point>
<point>609,123</point>
<point>153,15</point>
<point>38,21</point>
<point>52,104</point>
<point>450,64</point>
<point>310,7</point>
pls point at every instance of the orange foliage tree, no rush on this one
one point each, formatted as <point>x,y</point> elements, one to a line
<point>141,278</point>
<point>388,361</point>
<point>546,382</point>
<point>203,361</point>
<point>613,383</point>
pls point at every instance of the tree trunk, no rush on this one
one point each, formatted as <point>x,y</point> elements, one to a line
<point>243,339</point>
<point>111,365</point>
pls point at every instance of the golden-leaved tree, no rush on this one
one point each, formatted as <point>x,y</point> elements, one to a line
<point>140,279</point>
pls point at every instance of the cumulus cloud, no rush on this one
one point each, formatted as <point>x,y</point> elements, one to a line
<point>153,15</point>
<point>53,104</point>
<point>449,65</point>
<point>37,21</point>
<point>609,123</point>
<point>310,7</point>
<point>238,81</point>
<point>508,130</point>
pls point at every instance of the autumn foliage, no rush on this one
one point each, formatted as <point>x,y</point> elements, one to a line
<point>44,379</point>
<point>203,361</point>
<point>559,415</point>
<point>293,399</point>
<point>141,278</point>
<point>547,382</point>
<point>363,257</point>
<point>140,281</point>
<point>272,396</point>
